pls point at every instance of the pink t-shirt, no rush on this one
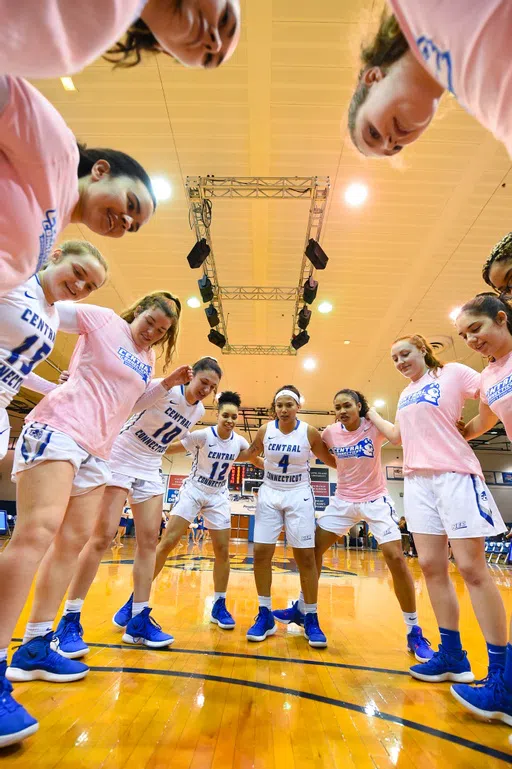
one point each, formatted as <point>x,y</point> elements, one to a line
<point>357,454</point>
<point>38,182</point>
<point>496,389</point>
<point>49,38</point>
<point>427,414</point>
<point>465,45</point>
<point>108,373</point>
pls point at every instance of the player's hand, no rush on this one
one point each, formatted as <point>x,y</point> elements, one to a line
<point>372,412</point>
<point>63,377</point>
<point>182,375</point>
<point>461,427</point>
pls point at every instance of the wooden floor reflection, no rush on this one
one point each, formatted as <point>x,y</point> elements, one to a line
<point>214,700</point>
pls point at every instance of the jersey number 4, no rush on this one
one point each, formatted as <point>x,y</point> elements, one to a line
<point>284,462</point>
<point>40,353</point>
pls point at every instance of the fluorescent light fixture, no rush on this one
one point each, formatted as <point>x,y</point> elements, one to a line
<point>347,341</point>
<point>455,313</point>
<point>379,403</point>
<point>67,83</point>
<point>193,302</point>
<point>356,194</point>
<point>161,188</point>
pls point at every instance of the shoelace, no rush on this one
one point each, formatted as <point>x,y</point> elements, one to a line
<point>75,630</point>
<point>494,680</point>
<point>153,622</point>
<point>421,639</point>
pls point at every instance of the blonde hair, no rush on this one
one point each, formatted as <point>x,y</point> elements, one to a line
<point>81,248</point>
<point>170,306</point>
<point>420,342</point>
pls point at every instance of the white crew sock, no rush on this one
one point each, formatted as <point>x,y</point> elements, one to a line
<point>3,654</point>
<point>216,596</point>
<point>410,619</point>
<point>138,607</point>
<point>35,629</point>
<point>310,608</point>
<point>75,605</point>
<point>301,602</point>
<point>266,601</point>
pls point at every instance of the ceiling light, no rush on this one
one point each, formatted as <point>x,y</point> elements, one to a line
<point>309,364</point>
<point>68,84</point>
<point>302,400</point>
<point>455,313</point>
<point>161,188</point>
<point>356,194</point>
<point>379,403</point>
<point>347,341</point>
<point>325,307</point>
<point>193,302</point>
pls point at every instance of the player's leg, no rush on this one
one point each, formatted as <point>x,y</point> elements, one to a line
<point>267,527</point>
<point>217,515</point>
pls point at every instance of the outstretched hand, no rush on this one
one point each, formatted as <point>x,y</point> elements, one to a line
<point>182,375</point>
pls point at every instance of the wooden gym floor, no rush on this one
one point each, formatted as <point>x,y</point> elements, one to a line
<point>214,700</point>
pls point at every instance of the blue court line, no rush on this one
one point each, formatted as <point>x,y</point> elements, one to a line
<point>454,739</point>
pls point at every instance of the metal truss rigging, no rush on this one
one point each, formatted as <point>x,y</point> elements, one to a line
<point>201,190</point>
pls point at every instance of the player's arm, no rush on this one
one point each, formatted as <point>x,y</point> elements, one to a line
<point>244,456</point>
<point>388,429</point>
<point>188,442</point>
<point>176,447</point>
<point>484,420</point>
<point>319,448</point>
<point>256,448</point>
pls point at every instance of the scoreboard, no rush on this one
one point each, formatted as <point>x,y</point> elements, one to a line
<point>239,472</point>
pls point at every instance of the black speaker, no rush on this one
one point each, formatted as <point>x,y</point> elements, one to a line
<point>299,340</point>
<point>216,338</point>
<point>316,255</point>
<point>198,254</point>
<point>304,318</point>
<point>310,289</point>
<point>205,288</point>
<point>212,315</point>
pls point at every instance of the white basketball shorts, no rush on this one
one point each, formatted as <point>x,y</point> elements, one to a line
<point>339,516</point>
<point>293,509</point>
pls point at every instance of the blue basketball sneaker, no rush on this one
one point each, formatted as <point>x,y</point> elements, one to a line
<point>418,645</point>
<point>293,614</point>
<point>36,660</point>
<point>122,617</point>
<point>489,699</point>
<point>221,616</point>
<point>142,629</point>
<point>263,627</point>
<point>67,639</point>
<point>15,722</point>
<point>313,632</point>
<point>444,666</point>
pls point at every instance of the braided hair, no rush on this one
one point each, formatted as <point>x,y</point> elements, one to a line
<point>501,252</point>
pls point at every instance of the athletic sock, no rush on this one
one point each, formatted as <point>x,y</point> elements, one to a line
<point>301,602</point>
<point>36,629</point>
<point>450,640</point>
<point>310,608</point>
<point>75,605</point>
<point>137,608</point>
<point>219,595</point>
<point>3,654</point>
<point>508,668</point>
<point>266,601</point>
<point>497,656</point>
<point>410,619</point>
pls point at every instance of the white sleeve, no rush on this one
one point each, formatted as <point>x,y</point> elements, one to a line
<point>38,384</point>
<point>154,391</point>
<point>194,440</point>
<point>68,317</point>
<point>244,443</point>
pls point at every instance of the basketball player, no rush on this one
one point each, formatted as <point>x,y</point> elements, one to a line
<point>425,49</point>
<point>205,493</point>
<point>286,500</point>
<point>47,181</point>
<point>49,38</point>
<point>60,468</point>
<point>135,464</point>
<point>29,319</point>
<point>485,324</point>
<point>361,494</point>
<point>445,497</point>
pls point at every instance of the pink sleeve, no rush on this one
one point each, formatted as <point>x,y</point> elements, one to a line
<point>91,317</point>
<point>483,396</point>
<point>327,436</point>
<point>30,127</point>
<point>153,393</point>
<point>470,379</point>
